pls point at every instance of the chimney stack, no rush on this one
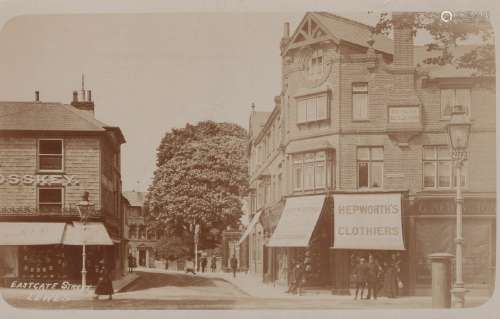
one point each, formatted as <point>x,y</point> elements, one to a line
<point>37,96</point>
<point>83,105</point>
<point>89,95</point>
<point>403,39</point>
<point>75,97</point>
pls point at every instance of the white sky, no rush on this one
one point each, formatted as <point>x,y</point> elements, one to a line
<point>149,72</point>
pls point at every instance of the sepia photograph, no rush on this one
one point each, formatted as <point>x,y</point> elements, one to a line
<point>231,160</point>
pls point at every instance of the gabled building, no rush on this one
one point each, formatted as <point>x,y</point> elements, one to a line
<point>51,154</point>
<point>359,129</point>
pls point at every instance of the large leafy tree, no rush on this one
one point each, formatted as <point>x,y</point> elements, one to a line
<point>447,32</point>
<point>200,178</point>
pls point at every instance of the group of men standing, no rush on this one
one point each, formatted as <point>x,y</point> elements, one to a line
<point>375,278</point>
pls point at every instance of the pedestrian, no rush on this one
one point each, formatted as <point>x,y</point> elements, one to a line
<point>204,263</point>
<point>297,279</point>
<point>213,264</point>
<point>234,265</point>
<point>104,284</point>
<point>391,279</point>
<point>131,261</point>
<point>190,266</point>
<point>360,275</point>
<point>372,279</point>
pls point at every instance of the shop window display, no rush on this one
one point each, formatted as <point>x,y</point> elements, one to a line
<point>42,262</point>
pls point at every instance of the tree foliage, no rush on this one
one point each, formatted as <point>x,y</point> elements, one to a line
<point>201,175</point>
<point>447,35</point>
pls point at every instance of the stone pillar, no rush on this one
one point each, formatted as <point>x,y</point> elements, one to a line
<point>441,280</point>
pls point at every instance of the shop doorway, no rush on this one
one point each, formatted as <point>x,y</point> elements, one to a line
<point>142,258</point>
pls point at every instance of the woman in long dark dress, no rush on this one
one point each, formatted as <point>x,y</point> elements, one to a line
<point>104,284</point>
<point>391,280</point>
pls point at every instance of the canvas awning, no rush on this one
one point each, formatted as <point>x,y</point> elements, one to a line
<point>249,228</point>
<point>30,233</point>
<point>297,221</point>
<point>91,234</point>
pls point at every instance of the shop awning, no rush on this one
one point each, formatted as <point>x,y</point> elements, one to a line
<point>29,233</point>
<point>322,143</point>
<point>297,221</point>
<point>90,234</point>
<point>250,226</point>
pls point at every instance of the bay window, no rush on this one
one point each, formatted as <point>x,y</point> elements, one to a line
<point>311,171</point>
<point>311,109</point>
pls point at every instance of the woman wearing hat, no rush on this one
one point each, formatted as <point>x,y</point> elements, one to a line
<point>104,284</point>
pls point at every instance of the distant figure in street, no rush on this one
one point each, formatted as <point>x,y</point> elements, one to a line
<point>104,283</point>
<point>360,277</point>
<point>190,266</point>
<point>213,263</point>
<point>374,271</point>
<point>297,279</point>
<point>204,263</point>
<point>234,265</point>
<point>131,263</point>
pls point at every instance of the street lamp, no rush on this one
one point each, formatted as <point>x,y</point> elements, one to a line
<point>459,131</point>
<point>85,208</point>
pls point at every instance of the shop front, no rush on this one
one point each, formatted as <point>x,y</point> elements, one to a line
<point>364,225</point>
<point>51,252</point>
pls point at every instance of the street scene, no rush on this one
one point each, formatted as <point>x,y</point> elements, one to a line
<point>312,160</point>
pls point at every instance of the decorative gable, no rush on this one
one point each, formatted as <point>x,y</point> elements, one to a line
<point>309,31</point>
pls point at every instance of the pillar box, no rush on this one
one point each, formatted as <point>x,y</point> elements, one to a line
<point>441,280</point>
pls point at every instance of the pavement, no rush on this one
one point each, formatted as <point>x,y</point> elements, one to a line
<point>163,289</point>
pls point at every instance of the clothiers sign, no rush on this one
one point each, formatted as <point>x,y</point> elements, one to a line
<point>41,180</point>
<point>368,221</point>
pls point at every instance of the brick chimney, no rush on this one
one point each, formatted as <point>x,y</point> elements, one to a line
<point>403,49</point>
<point>86,105</point>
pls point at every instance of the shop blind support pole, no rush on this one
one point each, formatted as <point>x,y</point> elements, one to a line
<point>84,257</point>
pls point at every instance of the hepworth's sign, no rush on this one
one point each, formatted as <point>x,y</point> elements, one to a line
<point>368,221</point>
<point>41,180</point>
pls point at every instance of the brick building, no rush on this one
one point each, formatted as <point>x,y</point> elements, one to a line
<point>50,155</point>
<point>360,123</point>
<point>141,240</point>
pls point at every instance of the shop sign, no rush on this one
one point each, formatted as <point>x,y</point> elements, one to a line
<point>368,221</point>
<point>404,114</point>
<point>40,180</point>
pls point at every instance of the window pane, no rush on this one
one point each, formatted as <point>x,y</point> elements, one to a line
<point>311,110</point>
<point>363,174</point>
<point>297,177</point>
<point>50,147</point>
<point>429,153</point>
<point>447,102</point>
<point>50,208</point>
<point>301,111</point>
<point>377,154</point>
<point>444,174</point>
<point>320,175</point>
<point>462,97</point>
<point>429,174</point>
<point>443,152</point>
<point>377,172</point>
<point>360,106</point>
<point>322,107</point>
<point>309,176</point>
<point>50,195</point>
<point>48,162</point>
<point>363,153</point>
<point>309,156</point>
<point>320,156</point>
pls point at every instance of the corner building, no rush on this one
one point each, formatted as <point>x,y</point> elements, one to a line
<point>354,159</point>
<point>51,154</point>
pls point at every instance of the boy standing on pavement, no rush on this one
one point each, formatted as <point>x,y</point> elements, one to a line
<point>234,265</point>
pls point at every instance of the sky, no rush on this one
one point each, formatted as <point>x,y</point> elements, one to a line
<point>148,72</point>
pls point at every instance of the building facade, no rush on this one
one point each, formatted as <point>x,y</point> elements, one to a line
<point>51,154</point>
<point>142,241</point>
<point>361,124</point>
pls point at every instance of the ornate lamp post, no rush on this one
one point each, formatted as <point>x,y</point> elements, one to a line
<point>85,209</point>
<point>459,131</point>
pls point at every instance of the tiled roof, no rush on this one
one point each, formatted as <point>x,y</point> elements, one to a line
<point>135,198</point>
<point>37,116</point>
<point>353,31</point>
